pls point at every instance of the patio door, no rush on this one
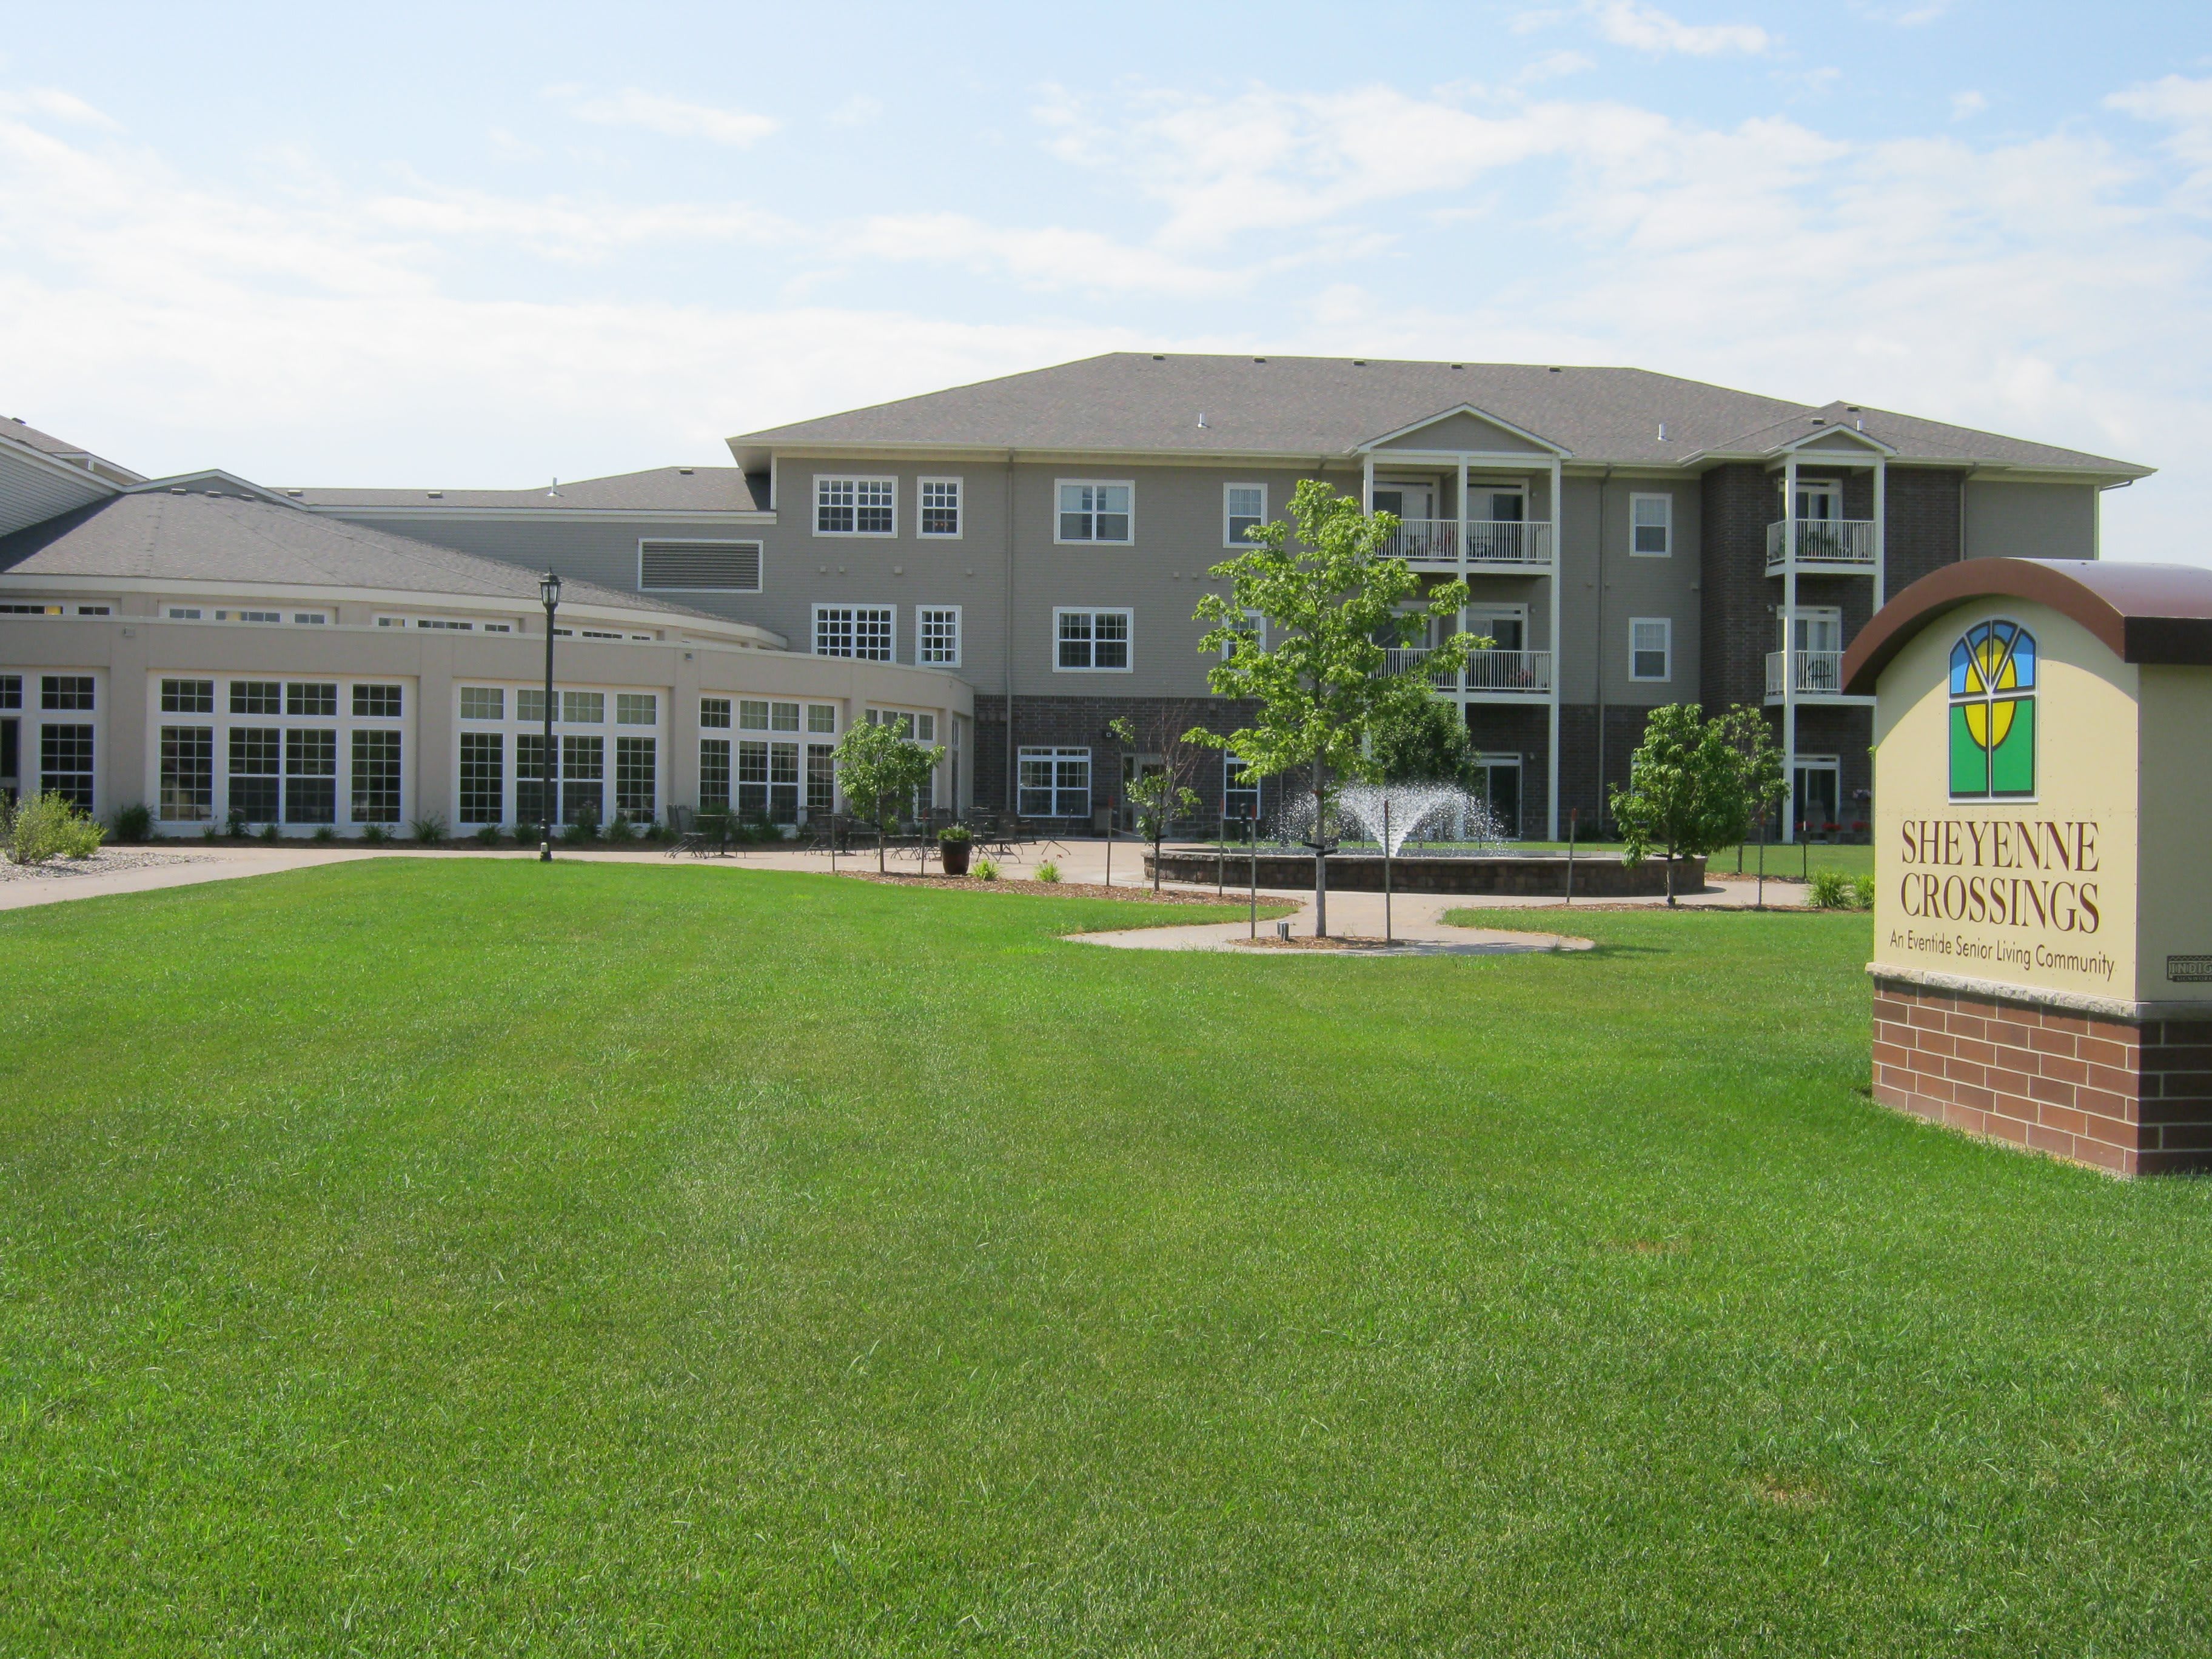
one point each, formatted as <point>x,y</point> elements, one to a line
<point>10,760</point>
<point>1407,501</point>
<point>1820,499</point>
<point>1498,786</point>
<point>1817,799</point>
<point>1134,769</point>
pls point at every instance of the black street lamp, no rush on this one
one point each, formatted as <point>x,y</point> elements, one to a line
<point>548,595</point>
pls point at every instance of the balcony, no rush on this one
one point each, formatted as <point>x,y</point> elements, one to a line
<point>1434,543</point>
<point>1490,674</point>
<point>1817,676</point>
<point>1843,544</point>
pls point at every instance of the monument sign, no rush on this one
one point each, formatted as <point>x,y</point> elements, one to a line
<point>2042,864</point>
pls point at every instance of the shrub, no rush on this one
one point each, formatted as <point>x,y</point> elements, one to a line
<point>985,869</point>
<point>488,835</point>
<point>583,832</point>
<point>134,823</point>
<point>270,832</point>
<point>48,826</point>
<point>236,825</point>
<point>1831,890</point>
<point>375,834</point>
<point>1048,872</point>
<point>1863,890</point>
<point>430,827</point>
<point>621,830</point>
<point>325,832</point>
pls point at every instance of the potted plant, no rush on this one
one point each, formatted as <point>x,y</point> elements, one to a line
<point>954,842</point>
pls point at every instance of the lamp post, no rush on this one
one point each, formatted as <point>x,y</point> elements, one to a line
<point>548,595</point>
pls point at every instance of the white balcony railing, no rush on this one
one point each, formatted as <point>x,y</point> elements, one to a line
<point>1433,542</point>
<point>1818,673</point>
<point>1507,541</point>
<point>1529,672</point>
<point>1846,542</point>
<point>1406,659</point>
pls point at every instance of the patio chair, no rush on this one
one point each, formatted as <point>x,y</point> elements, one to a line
<point>682,823</point>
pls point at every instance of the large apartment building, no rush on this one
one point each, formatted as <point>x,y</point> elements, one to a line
<point>1630,539</point>
<point>1017,562</point>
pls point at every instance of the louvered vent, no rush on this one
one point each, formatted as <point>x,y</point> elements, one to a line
<point>700,566</point>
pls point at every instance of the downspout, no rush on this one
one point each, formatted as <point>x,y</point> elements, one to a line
<point>1597,662</point>
<point>1007,654</point>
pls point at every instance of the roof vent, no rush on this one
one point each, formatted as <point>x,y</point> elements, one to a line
<point>1359,362</point>
<point>179,489</point>
<point>1817,421</point>
<point>1554,370</point>
<point>1458,364</point>
<point>1258,359</point>
<point>686,470</point>
<point>1202,419</point>
<point>296,493</point>
<point>1662,432</point>
<point>1158,358</point>
<point>215,492</point>
<point>435,495</point>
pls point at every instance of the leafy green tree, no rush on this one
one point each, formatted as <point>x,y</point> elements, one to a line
<point>1431,745</point>
<point>879,767</point>
<point>1329,603</point>
<point>1691,783</point>
<point>1161,796</point>
<point>1758,761</point>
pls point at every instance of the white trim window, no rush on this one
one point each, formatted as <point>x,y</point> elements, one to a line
<point>1096,510</point>
<point>855,506</point>
<point>1651,526</point>
<point>1054,783</point>
<point>1243,506</point>
<point>1091,641</point>
<point>868,632</point>
<point>937,635</point>
<point>937,508</point>
<point>1240,791</point>
<point>1650,648</point>
<point>1255,634</point>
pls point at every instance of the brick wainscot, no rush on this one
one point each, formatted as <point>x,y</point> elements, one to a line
<point>2117,1086</point>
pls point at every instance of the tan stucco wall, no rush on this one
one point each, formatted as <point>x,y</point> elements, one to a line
<point>2086,775</point>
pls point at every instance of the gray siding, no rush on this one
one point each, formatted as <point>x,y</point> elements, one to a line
<point>2030,520</point>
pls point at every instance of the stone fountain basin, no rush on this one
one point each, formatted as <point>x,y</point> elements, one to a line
<point>1529,875</point>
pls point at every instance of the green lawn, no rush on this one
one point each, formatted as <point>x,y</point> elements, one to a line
<point>484,1258</point>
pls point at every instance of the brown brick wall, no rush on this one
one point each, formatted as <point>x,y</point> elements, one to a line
<point>1736,601</point>
<point>1921,533</point>
<point>2133,1097</point>
<point>1080,722</point>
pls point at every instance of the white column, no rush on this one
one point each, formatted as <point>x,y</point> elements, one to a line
<point>1881,531</point>
<point>1789,643</point>
<point>1367,481</point>
<point>1459,558</point>
<point>1555,508</point>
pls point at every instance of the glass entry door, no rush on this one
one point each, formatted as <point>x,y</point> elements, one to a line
<point>1817,796</point>
<point>10,760</point>
<point>1498,786</point>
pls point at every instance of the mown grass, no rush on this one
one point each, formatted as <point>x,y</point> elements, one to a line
<point>438,1256</point>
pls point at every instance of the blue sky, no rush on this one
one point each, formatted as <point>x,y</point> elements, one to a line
<point>489,245</point>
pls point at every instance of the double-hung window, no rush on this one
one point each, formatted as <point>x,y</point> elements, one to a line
<point>940,506</point>
<point>855,506</point>
<point>1243,508</point>
<point>1091,641</point>
<point>1252,634</point>
<point>1240,791</point>
<point>1055,783</point>
<point>937,635</point>
<point>865,631</point>
<point>1650,648</point>
<point>1651,526</point>
<point>1095,512</point>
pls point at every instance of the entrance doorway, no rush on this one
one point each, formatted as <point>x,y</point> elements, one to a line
<point>10,764</point>
<point>1498,786</point>
<point>1134,769</point>
<point>1407,501</point>
<point>1818,796</point>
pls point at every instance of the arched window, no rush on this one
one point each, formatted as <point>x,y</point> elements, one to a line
<point>1993,713</point>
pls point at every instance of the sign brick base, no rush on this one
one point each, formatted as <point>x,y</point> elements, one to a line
<point>2127,1095</point>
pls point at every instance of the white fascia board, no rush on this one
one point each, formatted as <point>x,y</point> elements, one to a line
<point>436,511</point>
<point>1489,460</point>
<point>957,454</point>
<point>391,598</point>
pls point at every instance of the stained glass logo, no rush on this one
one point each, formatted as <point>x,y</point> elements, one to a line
<point>1993,713</point>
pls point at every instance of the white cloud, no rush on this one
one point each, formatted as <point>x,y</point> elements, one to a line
<point>1967,105</point>
<point>59,105</point>
<point>2183,106</point>
<point>632,107</point>
<point>1646,28</point>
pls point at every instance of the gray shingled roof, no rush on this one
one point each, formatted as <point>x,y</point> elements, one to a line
<point>62,450</point>
<point>203,537</point>
<point>1301,406</point>
<point>660,489</point>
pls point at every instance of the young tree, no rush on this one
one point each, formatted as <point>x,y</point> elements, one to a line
<point>879,767</point>
<point>1758,762</point>
<point>1160,796</point>
<point>1687,787</point>
<point>1430,746</point>
<point>1327,604</point>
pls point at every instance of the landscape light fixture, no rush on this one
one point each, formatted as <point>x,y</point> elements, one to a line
<point>548,595</point>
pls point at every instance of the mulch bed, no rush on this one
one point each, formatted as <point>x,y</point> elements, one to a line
<point>1047,889</point>
<point>1308,942</point>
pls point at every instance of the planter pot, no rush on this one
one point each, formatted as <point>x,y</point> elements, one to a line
<point>954,854</point>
